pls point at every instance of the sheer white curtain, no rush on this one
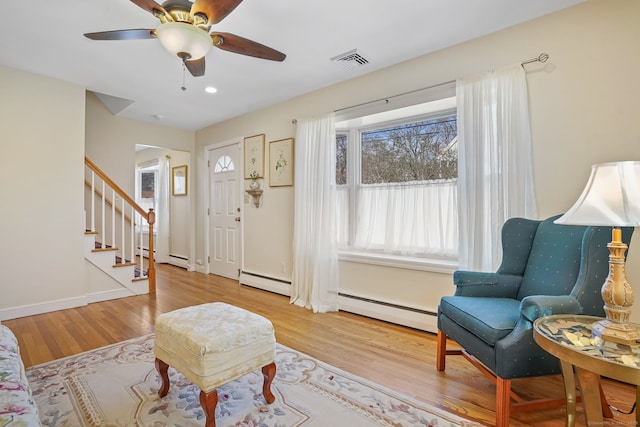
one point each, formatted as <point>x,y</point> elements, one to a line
<point>412,218</point>
<point>495,173</point>
<point>164,212</point>
<point>315,258</point>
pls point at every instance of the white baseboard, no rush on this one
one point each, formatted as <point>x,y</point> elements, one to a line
<point>412,318</point>
<point>45,307</point>
<point>179,262</point>
<point>109,295</point>
<point>265,283</point>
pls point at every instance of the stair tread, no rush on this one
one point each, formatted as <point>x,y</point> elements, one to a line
<point>124,264</point>
<point>103,249</point>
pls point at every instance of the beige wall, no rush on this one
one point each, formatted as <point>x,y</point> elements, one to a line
<point>584,108</point>
<point>45,124</point>
<point>180,206</point>
<point>41,264</point>
<point>111,143</point>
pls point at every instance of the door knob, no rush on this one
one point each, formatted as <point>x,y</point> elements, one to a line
<point>237,219</point>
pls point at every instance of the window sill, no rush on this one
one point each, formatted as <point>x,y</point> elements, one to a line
<point>397,261</point>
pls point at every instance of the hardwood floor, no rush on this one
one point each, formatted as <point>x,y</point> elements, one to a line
<point>398,357</point>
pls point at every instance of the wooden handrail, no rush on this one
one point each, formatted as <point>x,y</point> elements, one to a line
<point>115,186</point>
<point>150,217</point>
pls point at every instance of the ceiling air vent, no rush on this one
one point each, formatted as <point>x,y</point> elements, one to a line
<point>351,59</point>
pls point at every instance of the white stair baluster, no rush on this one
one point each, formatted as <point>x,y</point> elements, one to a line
<point>103,235</point>
<point>141,242</point>
<point>113,219</point>
<point>93,202</point>
<point>133,235</point>
<point>123,248</point>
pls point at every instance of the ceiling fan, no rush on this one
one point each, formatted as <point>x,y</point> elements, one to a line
<point>184,31</point>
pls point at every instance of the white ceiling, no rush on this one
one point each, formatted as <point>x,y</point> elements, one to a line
<point>46,37</point>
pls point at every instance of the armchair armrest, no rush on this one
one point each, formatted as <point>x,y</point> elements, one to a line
<point>535,306</point>
<point>480,284</point>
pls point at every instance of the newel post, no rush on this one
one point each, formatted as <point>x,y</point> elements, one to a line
<point>151,271</point>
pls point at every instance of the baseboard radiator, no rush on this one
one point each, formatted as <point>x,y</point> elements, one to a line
<point>425,320</point>
<point>271,284</point>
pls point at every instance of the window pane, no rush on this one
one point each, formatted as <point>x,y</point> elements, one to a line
<point>418,219</point>
<point>341,158</point>
<point>419,151</point>
<point>147,185</point>
<point>224,164</point>
<point>342,209</point>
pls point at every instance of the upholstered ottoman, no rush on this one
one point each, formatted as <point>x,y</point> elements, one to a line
<point>212,344</point>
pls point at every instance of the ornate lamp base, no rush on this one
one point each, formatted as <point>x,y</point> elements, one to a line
<point>616,332</point>
<point>617,295</point>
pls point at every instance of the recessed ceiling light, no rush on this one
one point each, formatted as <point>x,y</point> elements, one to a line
<point>210,89</point>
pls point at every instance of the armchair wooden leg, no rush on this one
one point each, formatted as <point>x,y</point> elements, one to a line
<point>441,350</point>
<point>503,402</point>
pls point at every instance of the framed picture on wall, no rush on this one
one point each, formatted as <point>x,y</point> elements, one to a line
<point>254,156</point>
<point>281,163</point>
<point>179,180</point>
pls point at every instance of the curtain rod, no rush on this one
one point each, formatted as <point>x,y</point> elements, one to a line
<point>540,58</point>
<point>386,100</point>
<point>543,57</point>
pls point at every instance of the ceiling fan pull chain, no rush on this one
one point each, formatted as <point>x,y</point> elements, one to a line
<point>184,67</point>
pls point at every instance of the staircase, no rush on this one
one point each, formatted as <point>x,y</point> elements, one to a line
<point>127,273</point>
<point>114,237</point>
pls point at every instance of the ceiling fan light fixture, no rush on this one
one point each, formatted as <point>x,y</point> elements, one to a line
<point>184,40</point>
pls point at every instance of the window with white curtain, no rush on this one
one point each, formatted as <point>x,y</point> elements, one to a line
<point>396,178</point>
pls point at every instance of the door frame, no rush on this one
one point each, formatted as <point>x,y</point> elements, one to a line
<point>207,202</point>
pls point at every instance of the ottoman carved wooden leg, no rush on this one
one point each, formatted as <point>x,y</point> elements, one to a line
<point>208,401</point>
<point>269,373</point>
<point>163,370</point>
<point>211,345</point>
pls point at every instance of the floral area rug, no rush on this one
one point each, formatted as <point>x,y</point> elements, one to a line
<point>117,385</point>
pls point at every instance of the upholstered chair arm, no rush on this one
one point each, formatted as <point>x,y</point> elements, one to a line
<point>519,344</point>
<point>489,285</point>
<point>535,306</point>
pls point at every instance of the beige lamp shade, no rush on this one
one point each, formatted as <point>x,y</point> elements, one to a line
<point>610,198</point>
<point>184,40</point>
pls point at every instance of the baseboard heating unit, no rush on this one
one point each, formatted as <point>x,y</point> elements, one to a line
<point>425,320</point>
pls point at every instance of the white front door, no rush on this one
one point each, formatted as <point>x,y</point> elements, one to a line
<point>224,211</point>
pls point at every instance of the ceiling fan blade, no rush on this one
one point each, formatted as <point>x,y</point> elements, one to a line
<point>215,10</point>
<point>135,34</point>
<point>195,67</point>
<point>153,8</point>
<point>236,44</point>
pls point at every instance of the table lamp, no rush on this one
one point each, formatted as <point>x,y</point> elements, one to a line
<point>612,198</point>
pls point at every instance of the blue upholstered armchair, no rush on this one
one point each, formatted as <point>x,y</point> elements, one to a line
<point>546,269</point>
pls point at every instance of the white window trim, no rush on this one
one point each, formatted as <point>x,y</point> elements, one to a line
<point>353,129</point>
<point>398,261</point>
